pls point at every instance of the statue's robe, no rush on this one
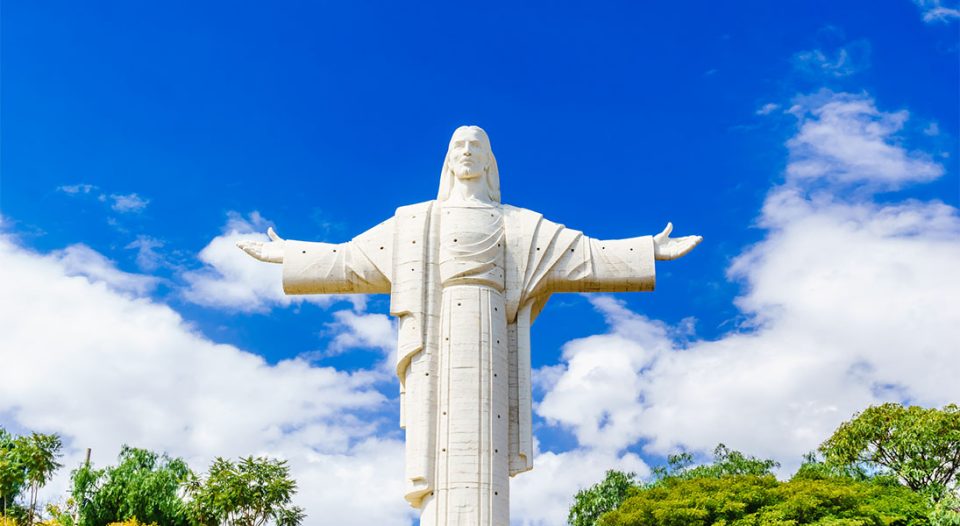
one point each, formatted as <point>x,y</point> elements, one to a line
<point>401,256</point>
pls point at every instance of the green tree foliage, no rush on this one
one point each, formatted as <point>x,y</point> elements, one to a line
<point>38,455</point>
<point>760,500</point>
<point>143,486</point>
<point>921,447</point>
<point>12,475</point>
<point>946,512</point>
<point>589,504</point>
<point>725,462</point>
<point>26,464</point>
<point>250,492</point>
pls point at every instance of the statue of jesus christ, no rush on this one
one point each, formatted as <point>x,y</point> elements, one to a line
<point>467,277</point>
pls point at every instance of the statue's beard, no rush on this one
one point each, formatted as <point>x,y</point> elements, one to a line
<point>467,173</point>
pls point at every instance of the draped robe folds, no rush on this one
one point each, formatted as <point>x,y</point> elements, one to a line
<point>401,256</point>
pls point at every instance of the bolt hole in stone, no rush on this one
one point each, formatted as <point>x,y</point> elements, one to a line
<point>334,250</point>
<point>496,450</point>
<point>458,304</point>
<point>496,492</point>
<point>381,248</point>
<point>426,374</point>
<point>304,251</point>
<point>454,240</point>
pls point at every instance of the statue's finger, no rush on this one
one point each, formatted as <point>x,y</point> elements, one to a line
<point>272,234</point>
<point>667,229</point>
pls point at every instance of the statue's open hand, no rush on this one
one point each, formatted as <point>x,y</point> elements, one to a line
<point>271,252</point>
<point>665,248</point>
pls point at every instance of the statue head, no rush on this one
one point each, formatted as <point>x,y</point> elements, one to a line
<point>470,159</point>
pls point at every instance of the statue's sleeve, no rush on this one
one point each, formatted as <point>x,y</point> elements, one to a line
<point>359,266</point>
<point>611,265</point>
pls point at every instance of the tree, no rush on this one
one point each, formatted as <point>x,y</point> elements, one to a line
<point>38,456</point>
<point>26,462</point>
<point>12,475</point>
<point>589,504</point>
<point>250,492</point>
<point>725,462</point>
<point>946,512</point>
<point>760,500</point>
<point>144,486</point>
<point>921,447</point>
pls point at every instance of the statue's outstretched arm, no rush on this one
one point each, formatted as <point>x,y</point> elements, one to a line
<point>271,252</point>
<point>359,266</point>
<point>587,264</point>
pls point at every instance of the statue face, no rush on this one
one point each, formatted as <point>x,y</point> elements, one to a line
<point>469,155</point>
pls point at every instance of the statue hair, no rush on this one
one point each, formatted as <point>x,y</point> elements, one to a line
<point>492,173</point>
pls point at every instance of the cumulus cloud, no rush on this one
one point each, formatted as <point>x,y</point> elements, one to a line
<point>850,303</point>
<point>126,203</point>
<point>81,260</point>
<point>542,497</point>
<point>935,11</point>
<point>231,279</point>
<point>88,356</point>
<point>844,139</point>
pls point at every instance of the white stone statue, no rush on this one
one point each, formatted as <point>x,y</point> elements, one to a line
<point>467,277</point>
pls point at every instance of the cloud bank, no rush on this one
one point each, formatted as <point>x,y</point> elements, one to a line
<point>87,355</point>
<point>850,301</point>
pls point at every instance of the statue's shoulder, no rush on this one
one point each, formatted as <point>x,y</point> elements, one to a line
<point>515,213</point>
<point>411,210</point>
<point>527,218</point>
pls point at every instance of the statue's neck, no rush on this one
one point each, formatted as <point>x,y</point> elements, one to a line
<point>469,191</point>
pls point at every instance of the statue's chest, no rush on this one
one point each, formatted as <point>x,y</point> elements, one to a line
<point>472,246</point>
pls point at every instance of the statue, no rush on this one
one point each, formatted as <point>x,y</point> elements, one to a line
<point>467,277</point>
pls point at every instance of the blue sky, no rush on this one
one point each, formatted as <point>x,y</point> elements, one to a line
<point>139,141</point>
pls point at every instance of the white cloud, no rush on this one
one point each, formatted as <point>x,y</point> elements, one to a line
<point>542,497</point>
<point>104,368</point>
<point>81,260</point>
<point>233,280</point>
<point>123,203</point>
<point>148,258</point>
<point>77,188</point>
<point>844,138</point>
<point>851,302</point>
<point>126,203</point>
<point>935,11</point>
<point>353,330</point>
<point>838,62</point>
<point>768,108</point>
